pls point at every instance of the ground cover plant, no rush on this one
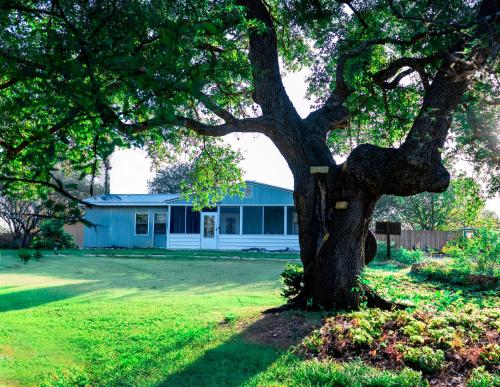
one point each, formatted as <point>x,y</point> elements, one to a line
<point>400,254</point>
<point>450,334</point>
<point>82,319</point>
<point>472,261</point>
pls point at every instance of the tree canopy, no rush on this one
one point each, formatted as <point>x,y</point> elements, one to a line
<point>80,79</point>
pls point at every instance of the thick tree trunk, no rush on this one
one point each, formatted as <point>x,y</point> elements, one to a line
<point>332,239</point>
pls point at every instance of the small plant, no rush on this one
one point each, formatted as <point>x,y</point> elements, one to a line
<point>52,235</point>
<point>401,255</point>
<point>293,280</point>
<point>425,359</point>
<point>24,255</point>
<point>482,378</point>
<point>491,354</point>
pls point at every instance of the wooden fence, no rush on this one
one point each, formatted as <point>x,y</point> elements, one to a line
<point>425,240</point>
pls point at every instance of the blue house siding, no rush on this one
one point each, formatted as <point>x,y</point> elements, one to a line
<point>115,227</point>
<point>114,218</point>
<point>262,194</point>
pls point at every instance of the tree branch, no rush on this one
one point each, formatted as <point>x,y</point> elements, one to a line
<point>216,109</point>
<point>269,92</point>
<point>415,64</point>
<point>416,166</point>
<point>261,124</point>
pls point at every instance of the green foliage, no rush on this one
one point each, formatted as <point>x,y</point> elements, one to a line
<point>482,378</point>
<point>478,254</point>
<point>454,274</point>
<point>292,278</point>
<point>425,359</point>
<point>52,235</point>
<point>401,255</point>
<point>87,78</point>
<point>24,255</point>
<point>459,206</point>
<point>214,174</point>
<point>290,371</point>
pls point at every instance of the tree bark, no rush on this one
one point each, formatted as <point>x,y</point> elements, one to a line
<point>333,240</point>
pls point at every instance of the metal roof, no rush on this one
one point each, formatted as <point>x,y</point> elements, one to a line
<point>131,199</point>
<point>113,200</point>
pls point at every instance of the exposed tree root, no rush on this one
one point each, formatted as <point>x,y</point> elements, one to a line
<point>372,298</point>
<point>375,301</point>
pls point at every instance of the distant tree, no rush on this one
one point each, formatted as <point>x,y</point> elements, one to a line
<point>170,178</point>
<point>22,219</point>
<point>459,206</point>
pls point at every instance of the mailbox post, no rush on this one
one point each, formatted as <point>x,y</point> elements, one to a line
<point>388,228</point>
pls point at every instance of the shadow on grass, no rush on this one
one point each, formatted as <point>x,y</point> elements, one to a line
<point>248,353</point>
<point>30,298</point>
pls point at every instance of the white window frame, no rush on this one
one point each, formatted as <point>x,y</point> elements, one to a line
<point>135,222</point>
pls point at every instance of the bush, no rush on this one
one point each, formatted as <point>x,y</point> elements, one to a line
<point>425,359</point>
<point>482,378</point>
<point>293,280</point>
<point>477,255</point>
<point>24,255</point>
<point>52,235</point>
<point>401,255</point>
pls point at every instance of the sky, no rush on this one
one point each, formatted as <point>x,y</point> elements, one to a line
<point>131,168</point>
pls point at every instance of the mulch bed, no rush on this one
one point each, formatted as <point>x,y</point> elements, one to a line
<point>385,351</point>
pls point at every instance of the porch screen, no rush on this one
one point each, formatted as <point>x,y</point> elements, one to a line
<point>230,220</point>
<point>292,227</point>
<point>192,221</point>
<point>274,220</point>
<point>178,220</point>
<point>252,220</point>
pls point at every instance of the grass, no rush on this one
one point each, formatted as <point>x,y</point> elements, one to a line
<point>175,319</point>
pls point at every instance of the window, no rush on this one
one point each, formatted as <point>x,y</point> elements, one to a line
<point>252,220</point>
<point>230,220</point>
<point>160,223</point>
<point>192,221</point>
<point>141,223</point>
<point>274,220</point>
<point>209,226</point>
<point>292,221</point>
<point>178,220</point>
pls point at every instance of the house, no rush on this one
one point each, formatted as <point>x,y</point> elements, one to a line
<point>264,217</point>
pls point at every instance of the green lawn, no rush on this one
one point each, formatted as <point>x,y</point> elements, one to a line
<point>170,320</point>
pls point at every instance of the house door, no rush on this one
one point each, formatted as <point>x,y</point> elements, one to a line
<point>208,230</point>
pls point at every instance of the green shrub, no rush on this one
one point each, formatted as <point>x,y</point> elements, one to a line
<point>482,378</point>
<point>24,255</point>
<point>293,280</point>
<point>52,235</point>
<point>479,254</point>
<point>425,359</point>
<point>401,255</point>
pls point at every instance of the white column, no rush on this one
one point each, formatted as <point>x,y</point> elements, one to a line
<point>285,220</point>
<point>241,220</point>
<point>169,209</point>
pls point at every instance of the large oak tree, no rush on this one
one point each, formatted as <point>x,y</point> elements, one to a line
<point>81,78</point>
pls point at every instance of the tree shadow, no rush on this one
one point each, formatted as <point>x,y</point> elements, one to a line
<point>30,298</point>
<point>248,353</point>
